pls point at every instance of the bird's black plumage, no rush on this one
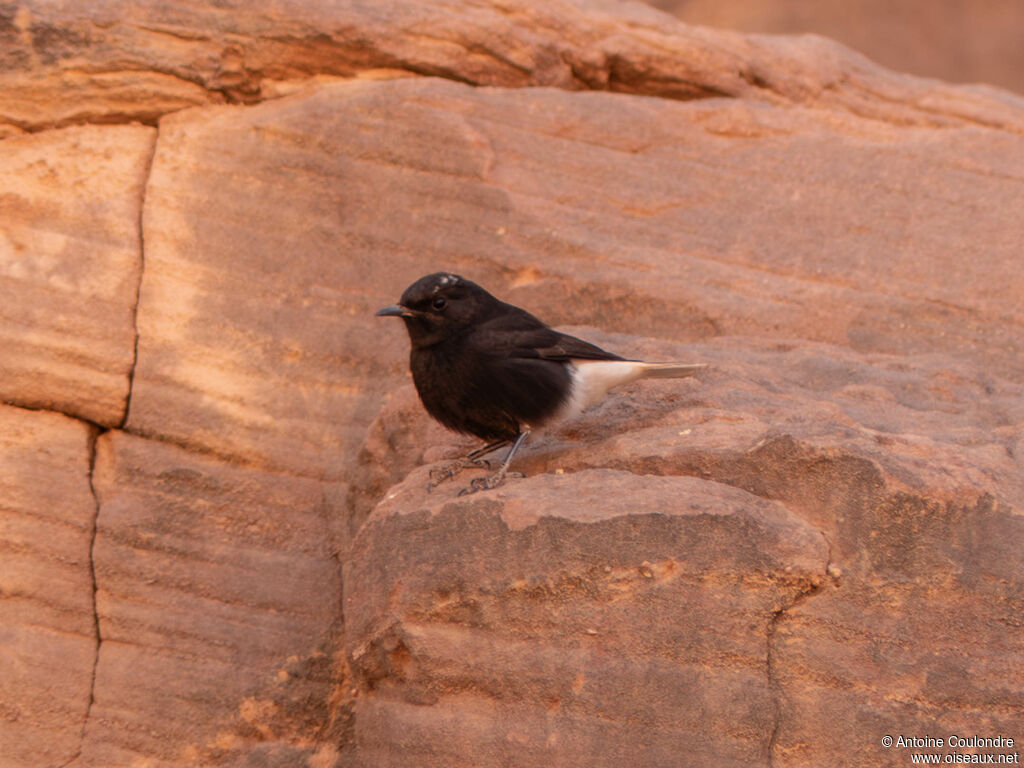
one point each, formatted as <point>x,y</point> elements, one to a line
<point>491,369</point>
<point>482,366</point>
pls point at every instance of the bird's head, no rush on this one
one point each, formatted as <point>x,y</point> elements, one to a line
<point>439,306</point>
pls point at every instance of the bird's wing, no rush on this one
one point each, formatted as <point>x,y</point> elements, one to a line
<point>524,336</point>
<point>566,347</point>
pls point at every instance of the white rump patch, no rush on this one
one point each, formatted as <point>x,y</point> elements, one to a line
<point>591,380</point>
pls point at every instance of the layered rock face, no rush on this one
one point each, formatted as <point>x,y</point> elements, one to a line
<point>217,547</point>
<point>876,562</point>
<point>957,40</point>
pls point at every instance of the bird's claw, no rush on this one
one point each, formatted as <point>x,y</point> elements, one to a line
<point>488,482</point>
<point>441,474</point>
<point>482,484</point>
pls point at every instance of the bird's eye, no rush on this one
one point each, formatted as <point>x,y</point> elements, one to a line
<point>439,303</point>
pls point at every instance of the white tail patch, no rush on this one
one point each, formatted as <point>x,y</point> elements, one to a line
<point>591,379</point>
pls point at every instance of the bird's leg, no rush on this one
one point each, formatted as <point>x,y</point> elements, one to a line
<point>493,481</point>
<point>472,459</point>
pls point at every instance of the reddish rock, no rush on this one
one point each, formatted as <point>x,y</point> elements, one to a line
<point>70,266</point>
<point>589,619</point>
<point>909,466</point>
<point>218,597</point>
<point>841,243</point>
<point>570,204</point>
<point>961,41</point>
<point>117,61</point>
<point>47,627</point>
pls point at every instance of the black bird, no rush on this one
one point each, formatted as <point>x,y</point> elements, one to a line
<point>490,369</point>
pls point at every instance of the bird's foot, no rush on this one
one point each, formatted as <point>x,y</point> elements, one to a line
<point>488,482</point>
<point>446,472</point>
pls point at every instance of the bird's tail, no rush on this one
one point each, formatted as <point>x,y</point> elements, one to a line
<point>670,370</point>
<point>593,378</point>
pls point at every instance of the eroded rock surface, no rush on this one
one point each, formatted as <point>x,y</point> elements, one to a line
<point>908,468</point>
<point>829,518</point>
<point>956,40</point>
<point>218,604</point>
<point>113,60</point>
<point>585,619</point>
<point>47,627</point>
<point>683,220</point>
<point>70,262</point>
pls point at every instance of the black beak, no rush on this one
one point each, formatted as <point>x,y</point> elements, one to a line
<point>395,311</point>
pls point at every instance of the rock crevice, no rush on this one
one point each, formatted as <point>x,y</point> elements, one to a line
<point>141,276</point>
<point>771,672</point>
<point>93,435</point>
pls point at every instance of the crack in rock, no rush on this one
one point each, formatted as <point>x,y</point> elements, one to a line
<point>142,268</point>
<point>775,687</point>
<point>94,434</point>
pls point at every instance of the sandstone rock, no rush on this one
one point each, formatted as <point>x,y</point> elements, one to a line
<point>69,267</point>
<point>35,100</point>
<point>840,242</point>
<point>591,619</point>
<point>910,468</point>
<point>218,600</point>
<point>960,41</point>
<point>114,60</point>
<point>601,208</point>
<point>47,627</point>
